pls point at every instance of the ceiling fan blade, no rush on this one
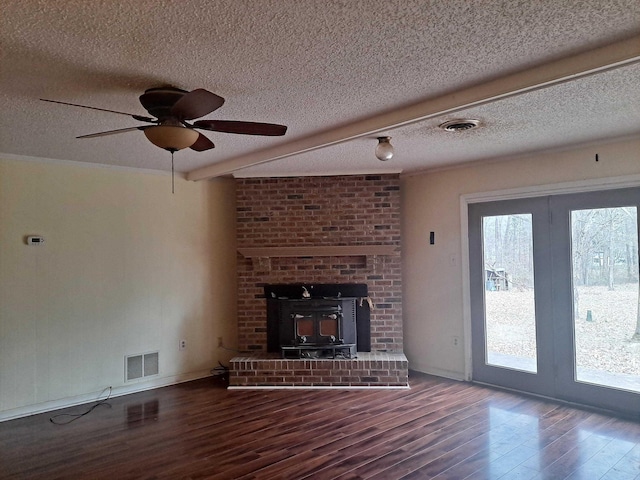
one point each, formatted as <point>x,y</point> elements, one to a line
<point>196,104</point>
<point>113,132</point>
<point>202,144</point>
<point>145,119</point>
<point>137,117</point>
<point>244,128</point>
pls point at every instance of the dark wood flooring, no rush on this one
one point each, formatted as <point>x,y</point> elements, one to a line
<point>438,429</point>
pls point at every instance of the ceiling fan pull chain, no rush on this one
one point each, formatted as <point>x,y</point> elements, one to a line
<point>172,183</point>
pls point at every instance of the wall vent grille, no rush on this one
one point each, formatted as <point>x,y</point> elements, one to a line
<point>141,365</point>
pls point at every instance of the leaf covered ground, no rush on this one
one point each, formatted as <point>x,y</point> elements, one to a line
<point>604,337</point>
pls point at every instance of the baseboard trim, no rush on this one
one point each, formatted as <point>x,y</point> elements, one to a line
<point>438,372</point>
<point>119,391</point>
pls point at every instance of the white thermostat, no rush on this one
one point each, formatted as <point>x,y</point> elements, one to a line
<point>35,240</point>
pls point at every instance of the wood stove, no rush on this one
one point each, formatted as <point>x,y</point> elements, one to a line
<point>316,321</point>
<point>322,327</point>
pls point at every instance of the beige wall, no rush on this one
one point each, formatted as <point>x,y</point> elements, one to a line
<point>129,268</point>
<point>434,276</point>
<point>126,268</point>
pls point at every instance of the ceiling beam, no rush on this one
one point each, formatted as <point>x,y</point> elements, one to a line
<point>559,71</point>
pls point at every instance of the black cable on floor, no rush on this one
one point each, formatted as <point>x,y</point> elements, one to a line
<point>220,370</point>
<point>76,416</point>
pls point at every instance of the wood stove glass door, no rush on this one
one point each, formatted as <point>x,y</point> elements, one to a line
<point>329,328</point>
<point>305,328</point>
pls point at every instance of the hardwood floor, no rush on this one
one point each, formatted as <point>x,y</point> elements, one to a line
<point>439,429</point>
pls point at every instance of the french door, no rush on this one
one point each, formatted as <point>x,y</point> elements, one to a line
<point>554,297</point>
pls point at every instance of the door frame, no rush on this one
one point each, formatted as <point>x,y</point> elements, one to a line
<point>582,186</point>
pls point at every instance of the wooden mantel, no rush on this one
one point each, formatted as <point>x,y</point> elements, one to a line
<point>261,256</point>
<point>318,251</point>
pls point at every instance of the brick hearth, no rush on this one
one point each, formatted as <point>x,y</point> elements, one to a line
<point>374,369</point>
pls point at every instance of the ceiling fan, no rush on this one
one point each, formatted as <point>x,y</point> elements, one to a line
<point>171,109</point>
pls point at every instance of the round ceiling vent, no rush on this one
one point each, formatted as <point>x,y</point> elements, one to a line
<point>460,124</point>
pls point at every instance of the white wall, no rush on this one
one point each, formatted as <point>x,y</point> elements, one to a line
<point>434,275</point>
<point>127,268</point>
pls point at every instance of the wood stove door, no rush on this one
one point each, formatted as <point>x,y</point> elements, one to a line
<point>317,322</point>
<point>316,328</point>
<point>304,326</point>
<point>310,322</point>
<point>329,327</point>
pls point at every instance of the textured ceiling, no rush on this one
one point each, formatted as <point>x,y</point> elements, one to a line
<point>321,67</point>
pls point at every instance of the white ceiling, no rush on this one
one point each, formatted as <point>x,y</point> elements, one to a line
<point>338,73</point>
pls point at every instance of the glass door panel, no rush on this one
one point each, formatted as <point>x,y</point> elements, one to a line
<point>606,325</point>
<point>510,317</point>
<point>554,297</point>
<point>510,292</point>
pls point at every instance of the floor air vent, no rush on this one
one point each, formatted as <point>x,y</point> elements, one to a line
<point>138,366</point>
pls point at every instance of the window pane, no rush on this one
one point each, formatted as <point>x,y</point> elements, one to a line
<point>509,292</point>
<point>604,249</point>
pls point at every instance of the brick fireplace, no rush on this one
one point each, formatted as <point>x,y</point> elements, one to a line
<point>319,230</point>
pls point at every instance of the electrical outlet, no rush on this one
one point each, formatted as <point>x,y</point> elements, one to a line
<point>182,345</point>
<point>219,341</point>
<point>455,341</point>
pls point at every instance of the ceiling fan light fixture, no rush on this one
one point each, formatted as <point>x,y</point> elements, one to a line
<point>170,137</point>
<point>384,149</point>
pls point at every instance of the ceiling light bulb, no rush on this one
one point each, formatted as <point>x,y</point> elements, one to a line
<point>171,137</point>
<point>384,149</point>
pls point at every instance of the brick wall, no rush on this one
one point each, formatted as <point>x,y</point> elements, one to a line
<point>320,211</point>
